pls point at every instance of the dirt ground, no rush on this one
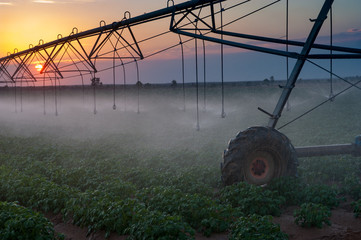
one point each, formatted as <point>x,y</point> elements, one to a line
<point>343,226</point>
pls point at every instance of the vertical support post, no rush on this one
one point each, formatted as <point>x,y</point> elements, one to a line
<point>55,95</point>
<point>183,83</point>
<point>288,107</point>
<point>223,114</point>
<point>15,95</point>
<point>124,88</point>
<point>138,86</point>
<point>114,105</point>
<point>331,60</point>
<point>299,64</point>
<point>83,88</point>
<point>204,78</point>
<point>197,90</point>
<point>21,93</point>
<point>44,96</point>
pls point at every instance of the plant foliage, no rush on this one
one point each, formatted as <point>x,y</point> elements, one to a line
<point>201,212</point>
<point>255,227</point>
<point>312,215</point>
<point>321,194</point>
<point>352,186</point>
<point>357,208</point>
<point>252,199</point>
<point>17,222</point>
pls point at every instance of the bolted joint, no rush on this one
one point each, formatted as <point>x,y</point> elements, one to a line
<point>318,20</point>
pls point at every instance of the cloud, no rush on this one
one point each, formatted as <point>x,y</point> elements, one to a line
<point>44,1</point>
<point>85,1</point>
<point>353,30</point>
<point>6,3</point>
<point>63,2</point>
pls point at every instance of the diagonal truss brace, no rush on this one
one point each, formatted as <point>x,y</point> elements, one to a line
<point>195,32</point>
<point>50,51</point>
<point>5,72</point>
<point>91,57</point>
<point>299,64</point>
<point>23,66</point>
<point>202,33</point>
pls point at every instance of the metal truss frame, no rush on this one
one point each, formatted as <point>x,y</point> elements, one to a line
<point>301,57</point>
<point>52,53</point>
<point>189,24</point>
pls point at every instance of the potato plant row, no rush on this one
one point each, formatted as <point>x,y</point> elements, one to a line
<point>154,198</point>
<point>18,222</point>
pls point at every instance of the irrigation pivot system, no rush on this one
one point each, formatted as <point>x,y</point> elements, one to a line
<point>256,155</point>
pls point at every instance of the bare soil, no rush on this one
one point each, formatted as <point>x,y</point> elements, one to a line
<point>344,226</point>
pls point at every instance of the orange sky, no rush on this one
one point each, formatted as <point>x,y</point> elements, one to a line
<point>25,22</point>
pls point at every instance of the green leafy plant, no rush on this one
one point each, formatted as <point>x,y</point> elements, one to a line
<point>288,187</point>
<point>255,227</point>
<point>98,211</point>
<point>252,199</point>
<point>33,191</point>
<point>352,186</point>
<point>321,194</point>
<point>201,212</point>
<point>357,208</point>
<point>312,215</point>
<point>17,222</point>
<point>157,225</point>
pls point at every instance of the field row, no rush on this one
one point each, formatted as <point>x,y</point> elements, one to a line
<point>159,199</point>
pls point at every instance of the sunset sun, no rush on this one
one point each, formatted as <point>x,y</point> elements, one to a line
<point>38,67</point>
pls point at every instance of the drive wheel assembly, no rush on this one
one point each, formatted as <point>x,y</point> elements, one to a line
<point>258,155</point>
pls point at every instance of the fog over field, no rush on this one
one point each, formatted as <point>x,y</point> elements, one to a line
<point>151,171</point>
<point>162,122</point>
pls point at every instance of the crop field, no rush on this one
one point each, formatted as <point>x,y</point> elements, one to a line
<point>120,174</point>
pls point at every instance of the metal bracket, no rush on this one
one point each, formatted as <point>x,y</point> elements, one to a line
<point>264,111</point>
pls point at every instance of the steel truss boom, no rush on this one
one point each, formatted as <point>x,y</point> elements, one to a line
<point>189,23</point>
<point>125,23</point>
<point>301,57</point>
<point>299,64</point>
<point>52,53</point>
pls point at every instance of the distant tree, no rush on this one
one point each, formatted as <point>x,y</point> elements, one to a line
<point>96,82</point>
<point>139,84</point>
<point>173,83</point>
<point>266,81</point>
<point>272,79</point>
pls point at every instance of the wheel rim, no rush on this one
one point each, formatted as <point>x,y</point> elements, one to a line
<point>260,168</point>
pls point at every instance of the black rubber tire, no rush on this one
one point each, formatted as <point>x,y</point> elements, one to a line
<point>258,155</point>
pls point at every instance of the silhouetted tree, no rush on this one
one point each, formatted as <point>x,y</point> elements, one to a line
<point>96,82</point>
<point>139,84</point>
<point>173,83</point>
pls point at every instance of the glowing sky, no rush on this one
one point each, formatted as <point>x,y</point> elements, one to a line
<point>24,22</point>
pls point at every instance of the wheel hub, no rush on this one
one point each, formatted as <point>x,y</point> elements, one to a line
<point>259,167</point>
